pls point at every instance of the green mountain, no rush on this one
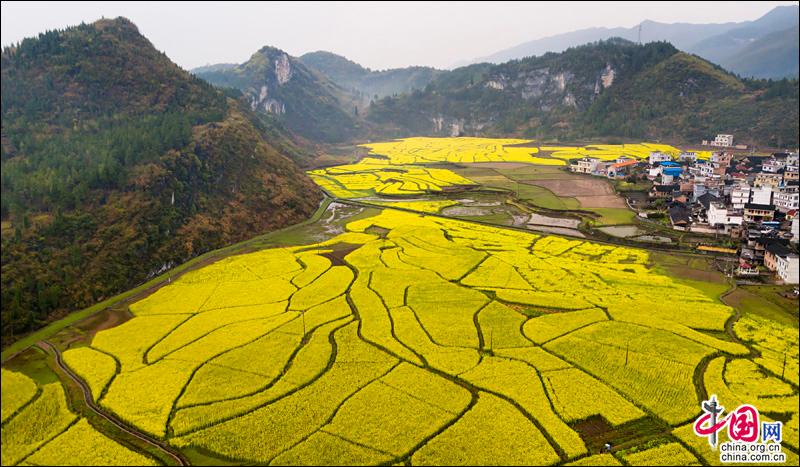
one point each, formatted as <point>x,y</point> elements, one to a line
<point>117,164</point>
<point>305,101</point>
<point>612,88</point>
<point>770,56</point>
<point>367,84</point>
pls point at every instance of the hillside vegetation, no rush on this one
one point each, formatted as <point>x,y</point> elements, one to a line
<point>612,89</point>
<point>117,164</point>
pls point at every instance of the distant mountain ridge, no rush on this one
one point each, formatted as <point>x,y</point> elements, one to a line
<point>117,164</point>
<point>613,88</point>
<point>366,83</point>
<point>725,44</point>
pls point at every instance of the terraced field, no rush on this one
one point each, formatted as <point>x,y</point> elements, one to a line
<point>532,173</point>
<point>40,429</point>
<point>407,338</point>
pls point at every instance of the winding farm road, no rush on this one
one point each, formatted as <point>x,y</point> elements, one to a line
<point>87,397</point>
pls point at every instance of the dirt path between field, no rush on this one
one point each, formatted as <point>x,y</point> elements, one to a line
<point>89,401</point>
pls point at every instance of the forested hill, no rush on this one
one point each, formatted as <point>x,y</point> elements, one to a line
<point>306,102</point>
<point>117,164</point>
<point>612,88</point>
<point>369,84</point>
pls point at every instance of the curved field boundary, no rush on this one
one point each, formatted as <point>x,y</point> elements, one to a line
<point>89,401</point>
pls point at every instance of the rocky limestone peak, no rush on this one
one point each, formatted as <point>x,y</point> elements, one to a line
<point>283,69</point>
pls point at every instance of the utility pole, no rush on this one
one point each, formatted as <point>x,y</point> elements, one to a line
<point>626,353</point>
<point>640,33</point>
<point>783,370</point>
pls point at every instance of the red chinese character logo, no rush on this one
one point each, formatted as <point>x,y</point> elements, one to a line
<point>743,424</point>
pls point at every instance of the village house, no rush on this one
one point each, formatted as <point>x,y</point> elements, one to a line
<point>621,169</point>
<point>721,141</point>
<point>656,157</point>
<point>795,230</point>
<point>689,156</point>
<point>761,195</point>
<point>773,165</point>
<point>787,198</point>
<point>740,195</point>
<point>720,216</point>
<point>664,191</point>
<point>787,268</point>
<point>768,179</point>
<point>680,215</point>
<point>791,174</point>
<point>758,212</point>
<point>771,253</point>
<point>722,159</point>
<point>587,165</point>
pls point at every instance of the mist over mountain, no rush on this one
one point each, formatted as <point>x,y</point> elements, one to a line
<point>730,45</point>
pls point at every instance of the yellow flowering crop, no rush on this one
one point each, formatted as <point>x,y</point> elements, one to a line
<point>17,390</point>
<point>665,454</point>
<point>415,343</point>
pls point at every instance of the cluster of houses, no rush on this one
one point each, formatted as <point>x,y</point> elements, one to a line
<point>754,200</point>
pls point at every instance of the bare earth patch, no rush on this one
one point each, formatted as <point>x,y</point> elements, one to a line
<point>603,201</point>
<point>496,165</point>
<point>576,186</point>
<point>590,192</point>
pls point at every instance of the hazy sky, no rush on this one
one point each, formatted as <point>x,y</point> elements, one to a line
<point>377,35</point>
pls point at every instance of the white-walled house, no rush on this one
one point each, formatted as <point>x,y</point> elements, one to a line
<point>773,165</point>
<point>761,195</point>
<point>740,195</point>
<point>723,141</point>
<point>587,165</point>
<point>787,268</point>
<point>787,198</point>
<point>718,214</point>
<point>656,157</point>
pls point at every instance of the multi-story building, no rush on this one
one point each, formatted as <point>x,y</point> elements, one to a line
<point>768,179</point>
<point>702,169</point>
<point>787,268</point>
<point>787,198</point>
<point>689,156</point>
<point>791,174</point>
<point>656,157</point>
<point>761,195</point>
<point>719,215</point>
<point>721,141</point>
<point>740,195</point>
<point>772,251</point>
<point>587,165</point>
<point>758,212</point>
<point>722,159</point>
<point>773,165</point>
